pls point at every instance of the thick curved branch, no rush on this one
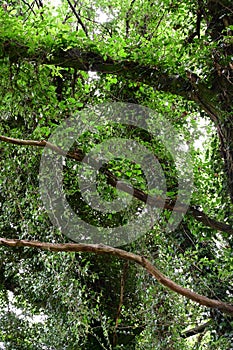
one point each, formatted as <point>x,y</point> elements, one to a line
<point>156,201</point>
<point>122,254</point>
<point>92,60</point>
<point>153,76</point>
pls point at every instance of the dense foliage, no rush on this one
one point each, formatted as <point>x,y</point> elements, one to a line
<point>57,62</point>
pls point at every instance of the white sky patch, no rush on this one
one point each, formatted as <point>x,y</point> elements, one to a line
<point>21,313</point>
<point>202,134</point>
<point>102,17</point>
<point>55,3</point>
<point>93,75</point>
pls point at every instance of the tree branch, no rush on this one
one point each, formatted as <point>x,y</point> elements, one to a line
<point>122,254</point>
<point>92,60</point>
<point>78,17</point>
<point>156,201</point>
<point>122,291</point>
<point>127,18</point>
<point>196,330</point>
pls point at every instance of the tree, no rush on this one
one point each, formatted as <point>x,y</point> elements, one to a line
<point>175,58</point>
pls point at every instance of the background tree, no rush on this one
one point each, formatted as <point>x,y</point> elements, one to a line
<point>175,58</point>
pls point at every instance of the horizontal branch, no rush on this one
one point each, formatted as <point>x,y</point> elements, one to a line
<point>153,76</point>
<point>156,201</point>
<point>196,330</point>
<point>207,221</point>
<point>140,260</point>
<point>42,143</point>
<point>89,59</point>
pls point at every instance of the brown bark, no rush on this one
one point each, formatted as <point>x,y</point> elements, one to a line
<point>140,195</point>
<point>122,254</point>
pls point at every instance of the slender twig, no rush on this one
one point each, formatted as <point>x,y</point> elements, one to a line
<point>122,290</point>
<point>30,6</point>
<point>78,17</point>
<point>39,4</point>
<point>127,17</point>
